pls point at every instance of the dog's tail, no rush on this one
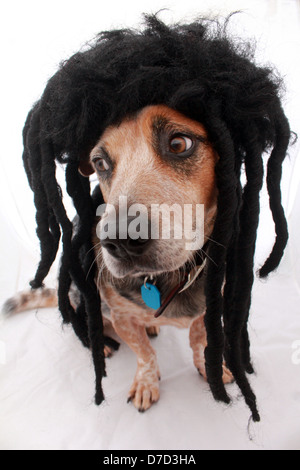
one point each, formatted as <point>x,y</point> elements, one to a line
<point>47,298</point>
<point>30,300</point>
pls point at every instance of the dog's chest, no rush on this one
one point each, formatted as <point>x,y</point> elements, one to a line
<point>125,298</point>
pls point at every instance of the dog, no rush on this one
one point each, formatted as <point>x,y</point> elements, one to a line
<point>175,121</point>
<point>159,156</point>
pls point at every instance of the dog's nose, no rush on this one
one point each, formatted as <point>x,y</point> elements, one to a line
<point>124,245</point>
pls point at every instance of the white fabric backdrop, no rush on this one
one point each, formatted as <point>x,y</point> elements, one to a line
<point>47,381</point>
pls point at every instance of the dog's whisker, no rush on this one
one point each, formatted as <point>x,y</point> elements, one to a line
<point>91,266</point>
<point>97,250</point>
<point>214,241</point>
<point>205,254</point>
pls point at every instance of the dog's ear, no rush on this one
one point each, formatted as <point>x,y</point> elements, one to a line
<point>85,168</point>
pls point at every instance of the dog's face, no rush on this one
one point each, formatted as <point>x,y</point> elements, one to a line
<point>161,165</point>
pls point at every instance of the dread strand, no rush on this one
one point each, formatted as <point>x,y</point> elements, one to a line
<point>89,309</point>
<point>47,229</point>
<point>222,234</point>
<point>237,341</point>
<point>274,171</point>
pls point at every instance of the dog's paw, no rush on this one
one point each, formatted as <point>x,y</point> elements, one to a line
<point>108,351</point>
<point>199,362</point>
<point>143,394</point>
<point>227,375</point>
<point>110,345</point>
<point>145,388</point>
<point>152,331</point>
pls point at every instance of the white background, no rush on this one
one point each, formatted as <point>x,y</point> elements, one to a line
<point>46,377</point>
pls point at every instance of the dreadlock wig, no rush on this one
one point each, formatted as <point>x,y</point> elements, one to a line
<point>198,70</point>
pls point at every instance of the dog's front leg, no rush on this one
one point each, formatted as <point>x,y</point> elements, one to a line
<point>129,322</point>
<point>145,388</point>
<point>198,344</point>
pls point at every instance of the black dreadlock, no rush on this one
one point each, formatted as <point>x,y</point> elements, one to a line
<point>195,69</point>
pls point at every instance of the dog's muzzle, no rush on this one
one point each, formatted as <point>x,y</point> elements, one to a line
<point>122,245</point>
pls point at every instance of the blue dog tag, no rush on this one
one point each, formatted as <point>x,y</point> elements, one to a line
<point>150,295</point>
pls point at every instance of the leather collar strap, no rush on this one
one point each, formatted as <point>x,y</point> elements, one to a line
<point>183,285</point>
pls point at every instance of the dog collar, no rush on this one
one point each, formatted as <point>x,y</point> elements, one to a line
<point>151,294</point>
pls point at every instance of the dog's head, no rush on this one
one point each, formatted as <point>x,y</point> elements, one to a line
<point>156,171</point>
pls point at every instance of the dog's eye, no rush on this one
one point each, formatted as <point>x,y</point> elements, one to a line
<point>101,165</point>
<point>180,144</point>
